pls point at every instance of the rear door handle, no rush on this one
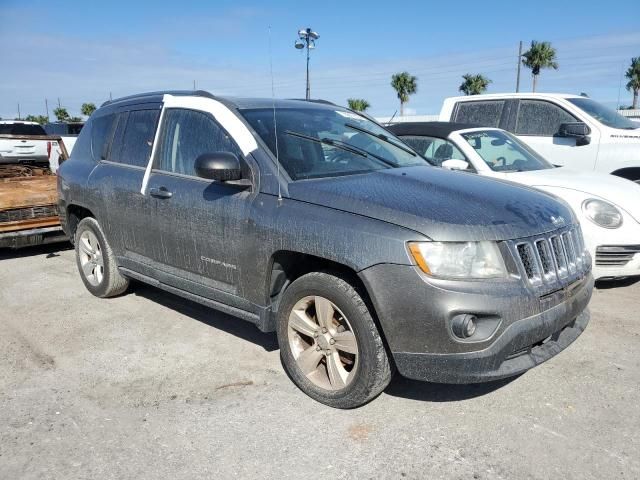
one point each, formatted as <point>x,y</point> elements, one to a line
<point>160,192</point>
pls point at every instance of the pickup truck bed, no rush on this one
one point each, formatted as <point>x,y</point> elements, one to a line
<point>28,206</point>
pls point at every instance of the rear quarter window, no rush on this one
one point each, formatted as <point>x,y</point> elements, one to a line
<point>101,133</point>
<point>487,113</point>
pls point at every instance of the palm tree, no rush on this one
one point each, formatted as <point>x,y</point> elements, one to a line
<point>88,108</point>
<point>540,55</point>
<point>404,85</point>
<point>358,104</point>
<point>474,84</point>
<point>633,85</point>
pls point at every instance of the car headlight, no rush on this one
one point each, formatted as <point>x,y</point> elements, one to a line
<point>602,213</point>
<point>459,259</point>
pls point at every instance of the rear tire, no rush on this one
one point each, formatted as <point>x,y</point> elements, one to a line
<point>329,343</point>
<point>96,262</point>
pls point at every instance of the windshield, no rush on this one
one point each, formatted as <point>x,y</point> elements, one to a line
<point>503,152</point>
<point>21,129</point>
<point>325,142</point>
<point>607,116</point>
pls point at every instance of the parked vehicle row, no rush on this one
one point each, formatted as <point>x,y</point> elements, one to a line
<point>567,130</point>
<point>607,206</point>
<point>315,222</point>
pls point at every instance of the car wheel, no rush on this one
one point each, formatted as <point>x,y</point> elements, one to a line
<point>96,261</point>
<point>329,343</point>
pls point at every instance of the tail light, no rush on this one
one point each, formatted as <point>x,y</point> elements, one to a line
<point>49,149</point>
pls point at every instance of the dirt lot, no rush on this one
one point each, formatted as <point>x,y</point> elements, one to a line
<point>149,386</point>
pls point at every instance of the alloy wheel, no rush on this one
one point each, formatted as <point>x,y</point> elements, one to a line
<point>323,343</point>
<point>91,259</point>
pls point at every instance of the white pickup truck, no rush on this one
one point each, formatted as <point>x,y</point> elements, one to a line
<point>23,150</point>
<point>567,130</point>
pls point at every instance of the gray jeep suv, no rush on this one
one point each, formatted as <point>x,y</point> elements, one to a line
<point>313,221</point>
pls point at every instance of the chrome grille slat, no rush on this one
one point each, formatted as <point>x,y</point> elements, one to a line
<point>554,260</point>
<point>615,255</point>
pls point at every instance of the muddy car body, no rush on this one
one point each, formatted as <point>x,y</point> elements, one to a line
<point>322,226</point>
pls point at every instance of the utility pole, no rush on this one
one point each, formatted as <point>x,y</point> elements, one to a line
<point>194,85</point>
<point>110,96</point>
<point>46,106</point>
<point>307,39</point>
<point>519,64</point>
<point>59,102</point>
<point>19,116</point>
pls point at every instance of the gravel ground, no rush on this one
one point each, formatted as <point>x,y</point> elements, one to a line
<point>148,385</point>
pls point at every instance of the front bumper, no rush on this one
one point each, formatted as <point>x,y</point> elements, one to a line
<point>526,329</point>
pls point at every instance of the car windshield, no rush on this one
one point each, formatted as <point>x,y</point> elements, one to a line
<point>503,152</point>
<point>605,115</point>
<point>21,129</point>
<point>325,142</point>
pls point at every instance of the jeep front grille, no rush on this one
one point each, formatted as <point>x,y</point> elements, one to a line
<point>29,213</point>
<point>553,260</point>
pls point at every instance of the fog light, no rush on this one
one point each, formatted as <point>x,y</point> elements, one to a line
<point>464,325</point>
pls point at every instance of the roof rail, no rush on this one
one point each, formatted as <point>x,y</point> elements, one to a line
<point>183,93</point>
<point>312,100</point>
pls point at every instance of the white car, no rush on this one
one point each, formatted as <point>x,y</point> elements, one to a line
<point>608,206</point>
<point>568,130</point>
<point>23,150</point>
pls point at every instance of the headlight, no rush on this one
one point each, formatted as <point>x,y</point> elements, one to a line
<point>459,259</point>
<point>602,213</point>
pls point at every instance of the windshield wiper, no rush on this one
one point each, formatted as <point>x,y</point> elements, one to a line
<point>382,137</point>
<point>343,146</point>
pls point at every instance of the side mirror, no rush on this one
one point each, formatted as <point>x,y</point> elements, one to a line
<point>219,166</point>
<point>578,130</point>
<point>455,164</point>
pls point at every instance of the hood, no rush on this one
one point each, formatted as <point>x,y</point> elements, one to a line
<point>620,191</point>
<point>440,204</point>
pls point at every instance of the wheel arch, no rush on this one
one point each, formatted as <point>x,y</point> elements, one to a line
<point>75,213</point>
<point>286,266</point>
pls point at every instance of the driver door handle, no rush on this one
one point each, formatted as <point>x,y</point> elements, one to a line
<point>160,192</point>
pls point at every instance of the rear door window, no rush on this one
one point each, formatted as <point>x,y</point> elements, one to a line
<point>485,113</point>
<point>134,138</point>
<point>540,118</point>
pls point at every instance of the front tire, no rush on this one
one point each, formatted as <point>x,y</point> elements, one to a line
<point>329,343</point>
<point>96,261</point>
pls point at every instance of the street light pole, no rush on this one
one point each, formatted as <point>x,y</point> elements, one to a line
<point>307,39</point>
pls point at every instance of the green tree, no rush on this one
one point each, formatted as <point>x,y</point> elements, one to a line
<point>75,119</point>
<point>61,114</point>
<point>87,109</point>
<point>41,119</point>
<point>474,84</point>
<point>358,104</point>
<point>540,55</point>
<point>633,85</point>
<point>405,85</point>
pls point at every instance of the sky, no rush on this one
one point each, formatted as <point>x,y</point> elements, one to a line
<point>85,51</point>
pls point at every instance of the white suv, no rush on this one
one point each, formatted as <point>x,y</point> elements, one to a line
<point>567,130</point>
<point>27,148</point>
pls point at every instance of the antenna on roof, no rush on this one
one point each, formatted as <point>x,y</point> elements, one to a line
<point>392,117</point>
<point>275,124</point>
